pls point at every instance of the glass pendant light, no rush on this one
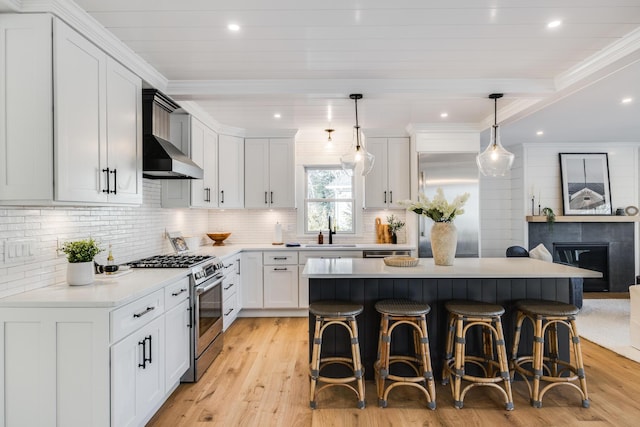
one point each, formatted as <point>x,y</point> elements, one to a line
<point>495,160</point>
<point>358,154</point>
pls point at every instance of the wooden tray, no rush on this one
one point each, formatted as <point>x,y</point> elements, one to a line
<point>401,261</point>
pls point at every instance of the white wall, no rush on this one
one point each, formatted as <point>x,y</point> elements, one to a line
<point>134,232</point>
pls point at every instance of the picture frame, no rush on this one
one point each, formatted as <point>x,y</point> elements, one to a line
<point>585,184</point>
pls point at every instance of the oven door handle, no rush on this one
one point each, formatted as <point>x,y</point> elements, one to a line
<point>202,288</point>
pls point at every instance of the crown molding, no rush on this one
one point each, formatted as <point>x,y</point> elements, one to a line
<point>198,112</point>
<point>81,21</point>
<point>10,5</point>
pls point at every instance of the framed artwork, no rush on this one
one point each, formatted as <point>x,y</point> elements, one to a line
<point>585,184</point>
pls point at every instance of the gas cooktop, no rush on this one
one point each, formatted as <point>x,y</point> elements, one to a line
<point>170,261</point>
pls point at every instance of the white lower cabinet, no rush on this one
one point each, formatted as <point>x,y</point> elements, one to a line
<point>93,366</point>
<point>252,283</point>
<point>281,286</point>
<point>137,375</point>
<point>177,334</point>
<point>231,291</point>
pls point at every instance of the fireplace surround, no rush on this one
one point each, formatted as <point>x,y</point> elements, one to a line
<point>618,236</point>
<point>592,256</point>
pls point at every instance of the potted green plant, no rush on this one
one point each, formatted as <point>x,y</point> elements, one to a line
<point>80,254</point>
<point>395,225</point>
<point>551,217</point>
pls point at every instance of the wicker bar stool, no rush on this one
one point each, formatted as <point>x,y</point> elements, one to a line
<point>462,316</point>
<point>393,314</point>
<point>536,368</point>
<point>341,313</point>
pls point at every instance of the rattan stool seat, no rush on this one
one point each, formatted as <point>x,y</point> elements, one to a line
<point>547,308</point>
<point>335,308</point>
<point>474,308</point>
<point>402,307</point>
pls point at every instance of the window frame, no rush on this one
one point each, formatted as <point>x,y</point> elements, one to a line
<point>352,200</point>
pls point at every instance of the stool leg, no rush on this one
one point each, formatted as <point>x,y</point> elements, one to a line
<point>552,340</point>
<point>382,366</point>
<point>357,364</point>
<point>487,343</point>
<point>458,357</point>
<point>577,350</point>
<point>516,342</point>
<point>448,352</point>
<point>501,349</point>
<point>538,359</point>
<point>314,371</point>
<point>425,356</point>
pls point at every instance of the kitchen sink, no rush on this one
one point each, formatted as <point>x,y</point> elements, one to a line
<point>328,246</point>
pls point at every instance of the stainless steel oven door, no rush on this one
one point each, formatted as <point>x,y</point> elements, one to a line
<point>208,313</point>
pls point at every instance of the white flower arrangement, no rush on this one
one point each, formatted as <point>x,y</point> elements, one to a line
<point>437,209</point>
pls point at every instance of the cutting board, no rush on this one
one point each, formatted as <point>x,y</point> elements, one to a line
<point>383,234</point>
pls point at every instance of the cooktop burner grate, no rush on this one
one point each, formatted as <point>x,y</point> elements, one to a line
<point>170,261</point>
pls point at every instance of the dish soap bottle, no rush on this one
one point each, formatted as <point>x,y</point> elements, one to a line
<point>320,238</point>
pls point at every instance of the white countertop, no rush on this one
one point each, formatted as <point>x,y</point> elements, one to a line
<point>104,292</point>
<point>461,268</point>
<point>117,290</point>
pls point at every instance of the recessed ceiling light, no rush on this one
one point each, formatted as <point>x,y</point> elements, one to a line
<point>444,115</point>
<point>554,24</point>
<point>277,116</point>
<point>233,27</point>
<point>627,100</point>
<point>540,133</point>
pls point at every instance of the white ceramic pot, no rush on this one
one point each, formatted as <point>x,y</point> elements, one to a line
<point>80,273</point>
<point>444,240</point>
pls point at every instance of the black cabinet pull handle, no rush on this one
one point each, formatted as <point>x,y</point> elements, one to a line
<point>265,198</point>
<point>142,313</point>
<point>280,269</point>
<point>115,181</point>
<point>390,196</point>
<point>175,294</point>
<point>143,365</point>
<point>228,287</point>
<point>190,325</point>
<point>150,360</point>
<point>108,190</point>
<point>272,197</point>
<point>229,312</point>
<point>222,196</point>
<point>385,197</point>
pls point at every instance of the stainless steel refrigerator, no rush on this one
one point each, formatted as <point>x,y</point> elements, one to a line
<point>455,173</point>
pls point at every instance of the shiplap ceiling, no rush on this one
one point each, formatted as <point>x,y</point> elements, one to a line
<point>411,59</point>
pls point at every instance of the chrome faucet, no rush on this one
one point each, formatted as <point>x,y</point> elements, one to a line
<point>331,231</point>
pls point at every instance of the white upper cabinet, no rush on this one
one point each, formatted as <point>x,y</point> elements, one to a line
<point>230,171</point>
<point>389,181</point>
<point>26,100</point>
<point>220,156</point>
<point>269,173</point>
<point>91,145</point>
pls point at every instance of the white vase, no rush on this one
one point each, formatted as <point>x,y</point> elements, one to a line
<point>444,239</point>
<point>80,273</point>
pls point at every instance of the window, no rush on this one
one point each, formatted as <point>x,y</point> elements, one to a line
<point>329,192</point>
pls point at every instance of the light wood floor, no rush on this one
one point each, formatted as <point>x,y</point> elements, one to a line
<point>260,379</point>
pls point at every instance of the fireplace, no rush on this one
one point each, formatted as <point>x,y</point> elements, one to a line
<point>618,236</point>
<point>590,256</point>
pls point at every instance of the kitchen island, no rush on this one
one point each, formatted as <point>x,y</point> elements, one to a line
<point>495,280</point>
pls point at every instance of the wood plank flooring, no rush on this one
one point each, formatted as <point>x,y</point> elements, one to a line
<point>261,379</point>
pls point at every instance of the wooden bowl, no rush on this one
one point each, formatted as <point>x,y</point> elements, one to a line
<point>218,238</point>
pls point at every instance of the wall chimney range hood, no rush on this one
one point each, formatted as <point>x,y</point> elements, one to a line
<point>161,159</point>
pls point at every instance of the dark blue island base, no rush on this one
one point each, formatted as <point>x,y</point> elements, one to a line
<point>435,292</point>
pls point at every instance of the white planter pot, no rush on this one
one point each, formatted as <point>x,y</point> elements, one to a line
<point>444,240</point>
<point>80,273</point>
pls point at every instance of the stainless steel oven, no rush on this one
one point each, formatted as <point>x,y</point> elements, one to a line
<point>207,331</point>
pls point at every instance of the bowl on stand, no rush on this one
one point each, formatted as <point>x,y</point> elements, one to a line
<point>219,237</point>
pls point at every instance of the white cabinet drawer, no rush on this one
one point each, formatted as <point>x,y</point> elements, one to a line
<point>175,293</point>
<point>230,310</point>
<point>134,315</point>
<point>280,258</point>
<point>305,255</point>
